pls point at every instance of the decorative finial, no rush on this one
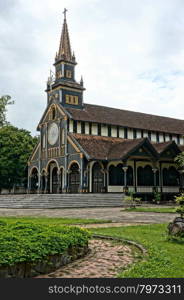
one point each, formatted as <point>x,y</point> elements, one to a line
<point>65,11</point>
<point>81,81</point>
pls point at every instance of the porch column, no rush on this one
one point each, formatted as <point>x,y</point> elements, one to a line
<point>105,181</point>
<point>85,180</point>
<point>125,168</point>
<point>59,188</point>
<point>135,176</point>
<point>160,176</point>
<point>41,184</point>
<point>65,178</point>
<point>81,170</point>
<point>154,174</point>
<point>46,184</point>
<point>29,184</point>
<point>67,182</point>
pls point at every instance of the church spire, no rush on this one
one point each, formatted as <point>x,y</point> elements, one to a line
<point>65,52</point>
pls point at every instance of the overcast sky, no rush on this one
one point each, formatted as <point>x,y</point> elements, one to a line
<point>130,53</point>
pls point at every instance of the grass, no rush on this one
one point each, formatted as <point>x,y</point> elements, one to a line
<point>54,221</point>
<point>165,258</point>
<point>152,209</point>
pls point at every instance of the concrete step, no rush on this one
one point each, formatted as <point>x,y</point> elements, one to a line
<point>61,200</point>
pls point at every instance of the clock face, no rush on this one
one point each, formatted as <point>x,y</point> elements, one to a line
<point>53,133</point>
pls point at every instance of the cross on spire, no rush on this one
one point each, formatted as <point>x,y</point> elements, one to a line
<point>64,12</point>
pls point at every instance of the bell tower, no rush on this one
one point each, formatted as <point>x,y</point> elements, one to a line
<point>62,85</point>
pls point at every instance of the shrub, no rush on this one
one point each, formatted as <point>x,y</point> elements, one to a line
<point>156,197</point>
<point>132,199</point>
<point>180,201</point>
<point>28,242</point>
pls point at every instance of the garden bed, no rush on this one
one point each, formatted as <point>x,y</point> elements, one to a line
<point>28,249</point>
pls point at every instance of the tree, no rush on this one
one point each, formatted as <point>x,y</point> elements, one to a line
<point>16,146</point>
<point>179,159</point>
<point>4,101</point>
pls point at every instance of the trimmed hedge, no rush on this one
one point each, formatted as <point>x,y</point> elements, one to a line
<point>27,242</point>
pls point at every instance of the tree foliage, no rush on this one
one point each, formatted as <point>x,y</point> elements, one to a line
<point>16,146</point>
<point>179,159</point>
<point>4,101</point>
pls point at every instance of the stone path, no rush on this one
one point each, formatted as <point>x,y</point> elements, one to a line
<point>115,214</point>
<point>104,260</point>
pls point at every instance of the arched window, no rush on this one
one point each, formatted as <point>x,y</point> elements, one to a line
<point>116,175</point>
<point>112,175</point>
<point>140,176</point>
<point>148,176</point>
<point>170,177</point>
<point>145,176</point>
<point>74,178</point>
<point>173,177</point>
<point>165,177</point>
<point>97,178</point>
<point>34,179</point>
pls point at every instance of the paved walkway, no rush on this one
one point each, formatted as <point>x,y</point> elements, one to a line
<point>105,260</point>
<point>115,214</point>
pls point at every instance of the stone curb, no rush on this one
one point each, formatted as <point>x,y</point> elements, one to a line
<point>140,247</point>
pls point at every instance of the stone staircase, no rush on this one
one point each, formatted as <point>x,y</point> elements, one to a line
<point>61,200</point>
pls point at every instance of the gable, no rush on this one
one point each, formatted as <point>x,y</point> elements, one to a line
<point>171,151</point>
<point>53,111</point>
<point>142,150</point>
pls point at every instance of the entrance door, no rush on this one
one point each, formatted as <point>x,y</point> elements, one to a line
<point>54,181</point>
<point>97,178</point>
<point>74,179</point>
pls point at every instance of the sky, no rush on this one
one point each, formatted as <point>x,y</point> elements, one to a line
<point>129,52</point>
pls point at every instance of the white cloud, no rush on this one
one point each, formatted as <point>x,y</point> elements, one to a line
<point>131,53</point>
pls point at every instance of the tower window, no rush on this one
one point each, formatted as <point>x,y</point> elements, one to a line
<point>68,74</point>
<point>70,99</point>
<point>67,99</point>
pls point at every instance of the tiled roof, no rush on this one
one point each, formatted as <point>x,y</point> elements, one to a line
<point>108,148</point>
<point>131,119</point>
<point>160,147</point>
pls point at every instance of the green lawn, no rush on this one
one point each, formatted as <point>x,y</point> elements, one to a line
<point>56,221</point>
<point>165,258</point>
<point>152,209</point>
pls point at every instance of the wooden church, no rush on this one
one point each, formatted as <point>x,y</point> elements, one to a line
<point>86,148</point>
